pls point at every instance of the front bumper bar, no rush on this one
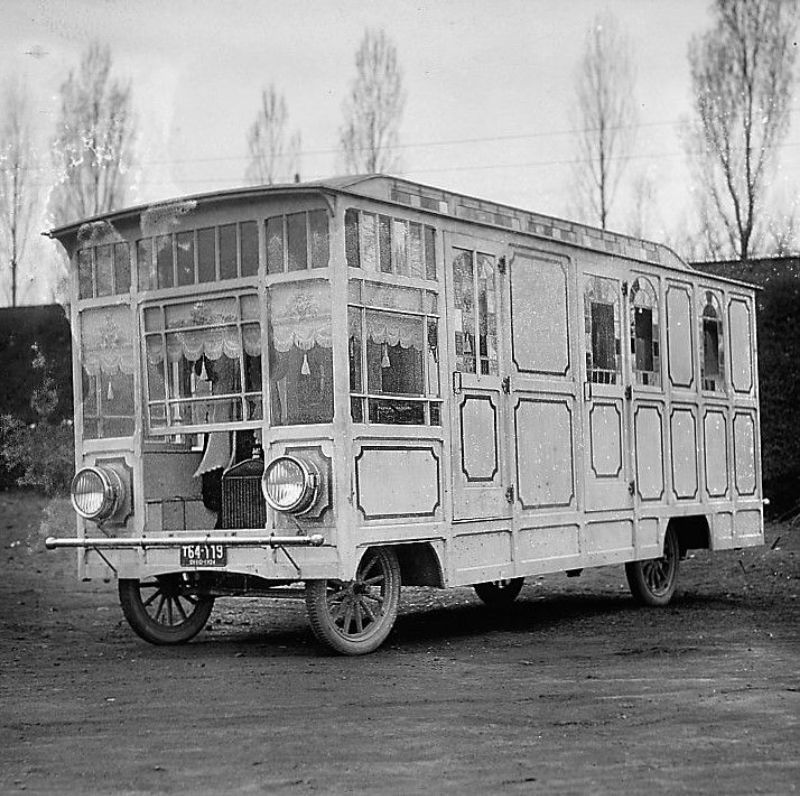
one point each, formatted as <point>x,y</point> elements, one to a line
<point>144,542</point>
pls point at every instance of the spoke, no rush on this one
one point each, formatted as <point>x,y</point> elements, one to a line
<point>359,617</point>
<point>348,619</point>
<point>152,597</point>
<point>180,609</point>
<point>369,568</point>
<point>374,581</point>
<point>375,598</point>
<point>368,611</point>
<point>160,607</point>
<point>170,616</point>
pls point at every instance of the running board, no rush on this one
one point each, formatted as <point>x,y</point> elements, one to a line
<point>143,542</point>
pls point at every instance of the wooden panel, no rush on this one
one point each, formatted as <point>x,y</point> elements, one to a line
<point>649,452</point>
<point>744,453</point>
<point>545,470</point>
<point>540,335</point>
<point>478,439</point>
<point>683,435</point>
<point>600,537</point>
<point>741,346</point>
<point>679,335</point>
<point>397,482</point>
<point>481,550</point>
<point>605,434</point>
<point>544,544</point>
<point>715,431</point>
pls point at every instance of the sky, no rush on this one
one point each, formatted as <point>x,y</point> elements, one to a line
<point>490,90</point>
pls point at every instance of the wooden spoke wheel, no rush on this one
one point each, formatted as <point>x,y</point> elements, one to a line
<point>165,609</point>
<point>499,593</point>
<point>653,582</point>
<point>355,617</point>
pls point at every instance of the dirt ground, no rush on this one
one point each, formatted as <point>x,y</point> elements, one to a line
<point>574,690</point>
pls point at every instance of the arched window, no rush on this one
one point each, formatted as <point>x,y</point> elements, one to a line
<point>645,349</point>
<point>602,325</point>
<point>713,360</point>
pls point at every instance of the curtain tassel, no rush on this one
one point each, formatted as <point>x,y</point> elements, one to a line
<point>385,359</point>
<point>305,369</point>
<point>110,392</point>
<point>203,374</point>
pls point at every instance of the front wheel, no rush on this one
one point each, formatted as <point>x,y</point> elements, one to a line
<point>653,582</point>
<point>499,593</point>
<point>165,609</point>
<point>354,617</point>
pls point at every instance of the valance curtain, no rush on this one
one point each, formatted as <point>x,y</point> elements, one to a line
<point>382,327</point>
<point>300,315</point>
<point>107,341</point>
<point>212,343</point>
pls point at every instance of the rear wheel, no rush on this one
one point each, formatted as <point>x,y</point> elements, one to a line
<point>653,582</point>
<point>165,609</point>
<point>499,593</point>
<point>354,617</point>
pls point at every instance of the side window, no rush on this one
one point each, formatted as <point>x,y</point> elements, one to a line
<point>394,371</point>
<point>297,242</point>
<point>645,349</point>
<point>602,328</point>
<point>712,360</point>
<point>104,270</point>
<point>475,298</point>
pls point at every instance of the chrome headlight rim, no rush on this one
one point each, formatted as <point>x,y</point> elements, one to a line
<point>112,493</point>
<point>309,491</point>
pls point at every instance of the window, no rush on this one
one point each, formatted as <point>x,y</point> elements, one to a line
<point>645,349</point>
<point>602,328</point>
<point>203,362</point>
<point>382,244</point>
<point>107,372</point>
<point>394,356</point>
<point>475,319</point>
<point>300,358</point>
<point>297,242</point>
<point>104,270</point>
<point>198,256</point>
<point>713,359</point>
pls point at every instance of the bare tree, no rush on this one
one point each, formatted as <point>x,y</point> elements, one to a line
<point>643,211</point>
<point>18,192</point>
<point>93,147</point>
<point>272,158</point>
<point>374,108</point>
<point>742,79</point>
<point>605,115</point>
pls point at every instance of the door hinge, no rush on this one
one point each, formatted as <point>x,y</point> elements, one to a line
<point>629,392</point>
<point>506,384</point>
<point>457,382</point>
<point>624,288</point>
<point>501,265</point>
<point>632,488</point>
<point>510,494</point>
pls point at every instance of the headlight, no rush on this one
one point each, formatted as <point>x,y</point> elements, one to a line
<point>290,484</point>
<point>97,492</point>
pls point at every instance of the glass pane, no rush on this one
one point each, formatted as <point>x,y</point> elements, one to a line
<point>318,229</point>
<point>298,244</point>
<point>85,284</point>
<point>207,254</point>
<point>275,245</point>
<point>464,320</point>
<point>394,354</point>
<point>249,233</point>
<point>603,343</point>
<point>144,263</point>
<point>227,252</point>
<point>351,239</point>
<point>164,261</point>
<point>354,323</point>
<point>357,409</point>
<point>487,314</point>
<point>405,413</point>
<point>433,357</point>
<point>122,268</point>
<point>385,236</point>
<point>601,323</point>
<point>104,271</point>
<point>369,242</point>
<point>400,247</point>
<point>185,243</point>
<point>415,264</point>
<point>430,252</point>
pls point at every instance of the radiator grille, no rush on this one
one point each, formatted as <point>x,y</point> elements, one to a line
<point>243,504</point>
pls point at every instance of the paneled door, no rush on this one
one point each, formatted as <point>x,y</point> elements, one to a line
<point>606,415</point>
<point>478,411</point>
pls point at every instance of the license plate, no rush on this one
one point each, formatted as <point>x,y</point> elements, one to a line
<point>204,555</point>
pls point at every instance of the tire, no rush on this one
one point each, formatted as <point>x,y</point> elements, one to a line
<point>355,617</point>
<point>499,593</point>
<point>164,609</point>
<point>653,582</point>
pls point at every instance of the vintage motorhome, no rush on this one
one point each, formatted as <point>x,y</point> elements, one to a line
<point>328,389</point>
